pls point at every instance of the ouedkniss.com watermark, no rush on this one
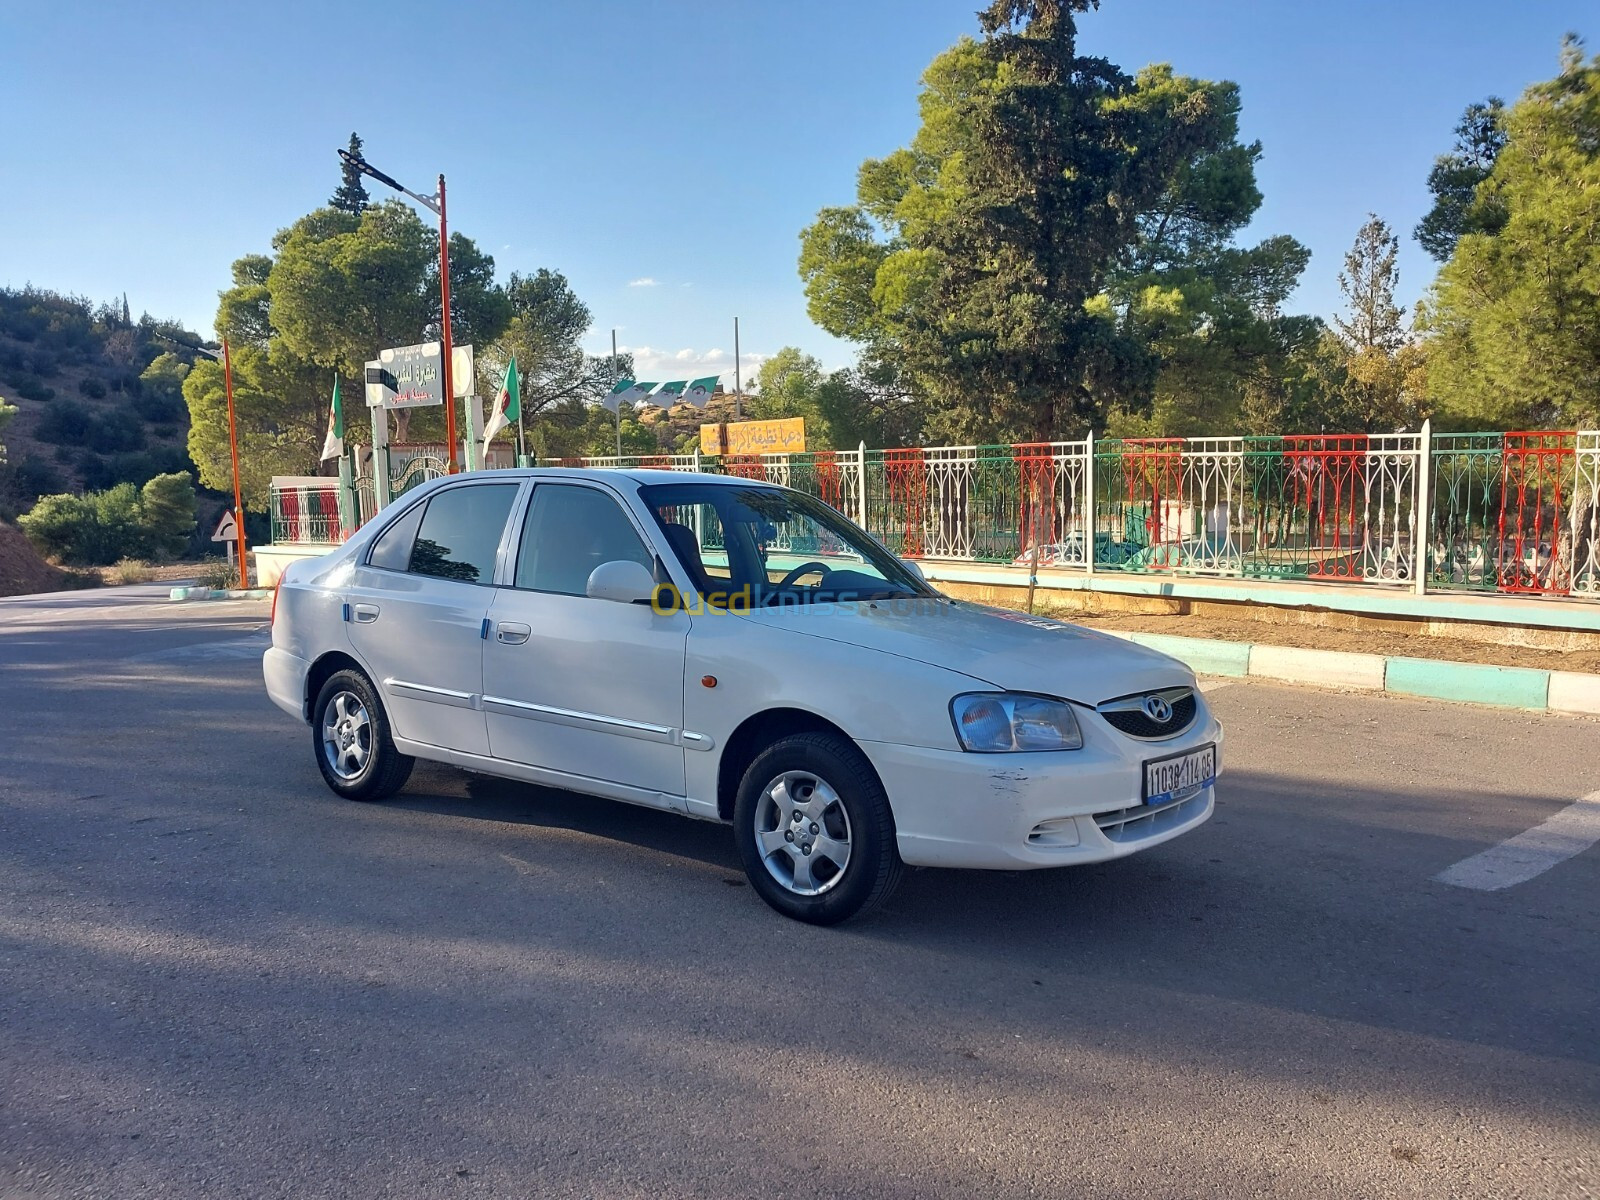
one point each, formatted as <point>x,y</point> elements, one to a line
<point>667,600</point>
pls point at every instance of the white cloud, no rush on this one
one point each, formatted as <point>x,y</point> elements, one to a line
<point>644,282</point>
<point>663,365</point>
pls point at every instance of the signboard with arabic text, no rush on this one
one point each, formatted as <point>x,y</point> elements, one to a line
<point>407,377</point>
<point>786,436</point>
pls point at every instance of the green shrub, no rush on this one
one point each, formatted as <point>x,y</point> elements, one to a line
<point>66,424</point>
<point>160,408</point>
<point>91,530</point>
<point>121,522</point>
<point>93,387</point>
<point>30,387</point>
<point>167,508</point>
<point>24,480</point>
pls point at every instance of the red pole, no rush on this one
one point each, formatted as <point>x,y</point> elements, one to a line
<point>444,291</point>
<point>233,445</point>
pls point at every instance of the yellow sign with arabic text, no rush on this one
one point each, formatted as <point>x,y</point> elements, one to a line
<point>786,436</point>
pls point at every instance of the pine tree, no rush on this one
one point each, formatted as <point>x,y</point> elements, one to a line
<point>351,196</point>
<point>1368,282</point>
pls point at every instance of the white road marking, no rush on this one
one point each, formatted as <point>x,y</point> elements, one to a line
<point>1516,860</point>
<point>1215,685</point>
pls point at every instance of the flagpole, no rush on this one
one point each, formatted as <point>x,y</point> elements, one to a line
<point>738,380</point>
<point>619,402</point>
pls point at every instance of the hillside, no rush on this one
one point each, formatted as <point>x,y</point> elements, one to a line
<point>22,571</point>
<point>98,396</point>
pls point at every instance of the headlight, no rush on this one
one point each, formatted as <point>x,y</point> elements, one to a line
<point>997,722</point>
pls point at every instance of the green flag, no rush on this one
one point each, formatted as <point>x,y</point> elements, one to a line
<point>507,407</point>
<point>699,393</point>
<point>333,444</point>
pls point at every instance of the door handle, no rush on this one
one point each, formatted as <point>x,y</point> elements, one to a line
<point>512,633</point>
<point>365,613</point>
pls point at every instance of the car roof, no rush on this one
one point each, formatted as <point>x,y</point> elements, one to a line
<point>638,475</point>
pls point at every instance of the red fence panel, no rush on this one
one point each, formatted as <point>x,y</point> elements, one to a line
<point>745,466</point>
<point>1327,478</point>
<point>906,479</point>
<point>830,483</point>
<point>1536,484</point>
<point>1036,494</point>
<point>1152,473</point>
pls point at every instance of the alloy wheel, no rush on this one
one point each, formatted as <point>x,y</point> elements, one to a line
<point>803,832</point>
<point>346,735</point>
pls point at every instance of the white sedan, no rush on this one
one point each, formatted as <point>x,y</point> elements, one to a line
<point>733,651</point>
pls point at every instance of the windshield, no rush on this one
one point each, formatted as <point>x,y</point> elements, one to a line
<point>756,546</point>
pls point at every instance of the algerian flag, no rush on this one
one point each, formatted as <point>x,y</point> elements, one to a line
<point>637,394</point>
<point>507,406</point>
<point>333,444</point>
<point>626,392</point>
<point>699,393</point>
<point>669,394</point>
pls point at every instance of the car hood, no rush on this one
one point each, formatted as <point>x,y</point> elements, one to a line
<point>1007,649</point>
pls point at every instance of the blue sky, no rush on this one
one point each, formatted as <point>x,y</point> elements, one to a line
<point>683,144</point>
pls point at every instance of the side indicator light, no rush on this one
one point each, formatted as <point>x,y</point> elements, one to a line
<point>708,681</point>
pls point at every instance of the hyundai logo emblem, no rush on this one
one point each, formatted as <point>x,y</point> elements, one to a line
<point>1157,709</point>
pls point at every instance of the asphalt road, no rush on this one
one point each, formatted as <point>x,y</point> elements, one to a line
<point>217,980</point>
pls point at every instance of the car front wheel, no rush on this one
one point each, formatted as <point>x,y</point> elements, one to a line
<point>351,740</point>
<point>815,831</point>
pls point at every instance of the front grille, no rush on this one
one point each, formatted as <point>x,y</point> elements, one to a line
<point>1129,716</point>
<point>1125,825</point>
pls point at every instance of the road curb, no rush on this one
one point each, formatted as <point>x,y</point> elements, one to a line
<point>205,593</point>
<point>1332,667</point>
<point>1525,688</point>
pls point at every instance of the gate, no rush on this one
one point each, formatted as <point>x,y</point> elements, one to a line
<point>416,470</point>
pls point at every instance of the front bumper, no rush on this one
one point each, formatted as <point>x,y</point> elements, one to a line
<point>285,676</point>
<point>1014,812</point>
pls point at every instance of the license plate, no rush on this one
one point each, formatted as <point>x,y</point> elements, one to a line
<point>1177,778</point>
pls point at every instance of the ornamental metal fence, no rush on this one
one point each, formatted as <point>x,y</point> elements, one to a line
<point>1490,512</point>
<point>304,512</point>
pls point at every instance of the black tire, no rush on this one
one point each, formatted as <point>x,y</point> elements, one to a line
<point>850,801</point>
<point>381,770</point>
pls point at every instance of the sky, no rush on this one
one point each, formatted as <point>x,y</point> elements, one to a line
<point>663,154</point>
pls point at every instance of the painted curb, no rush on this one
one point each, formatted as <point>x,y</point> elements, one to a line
<point>1504,687</point>
<point>1525,688</point>
<point>1333,667</point>
<point>203,593</point>
<point>1573,692</point>
<point>1205,655</point>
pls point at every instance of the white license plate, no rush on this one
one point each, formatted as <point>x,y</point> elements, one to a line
<point>1179,777</point>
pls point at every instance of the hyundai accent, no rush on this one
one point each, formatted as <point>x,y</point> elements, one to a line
<point>739,652</point>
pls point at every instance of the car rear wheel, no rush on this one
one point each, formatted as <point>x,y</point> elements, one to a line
<point>350,737</point>
<point>815,831</point>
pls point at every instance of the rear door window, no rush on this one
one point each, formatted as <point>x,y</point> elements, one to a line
<point>460,532</point>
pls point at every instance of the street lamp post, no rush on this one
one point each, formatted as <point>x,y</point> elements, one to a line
<point>226,359</point>
<point>435,205</point>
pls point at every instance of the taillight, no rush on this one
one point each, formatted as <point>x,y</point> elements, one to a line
<point>272,619</point>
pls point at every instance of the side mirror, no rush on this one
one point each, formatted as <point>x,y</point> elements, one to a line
<point>623,581</point>
<point>914,569</point>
